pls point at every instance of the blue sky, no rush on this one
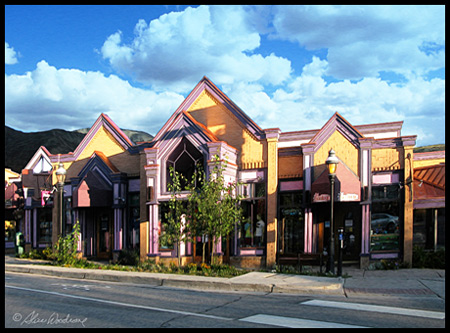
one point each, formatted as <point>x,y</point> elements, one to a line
<point>290,67</point>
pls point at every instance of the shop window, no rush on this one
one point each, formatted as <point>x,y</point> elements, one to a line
<point>133,220</point>
<point>45,226</point>
<point>254,223</point>
<point>10,231</point>
<point>386,221</point>
<point>185,159</point>
<point>163,227</point>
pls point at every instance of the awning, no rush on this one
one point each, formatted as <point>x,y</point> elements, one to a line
<point>347,186</point>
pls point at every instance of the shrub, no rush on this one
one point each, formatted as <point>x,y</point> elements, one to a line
<point>128,257</point>
<point>428,259</point>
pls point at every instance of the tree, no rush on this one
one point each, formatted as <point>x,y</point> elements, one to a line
<point>217,205</point>
<point>175,227</point>
<point>212,208</point>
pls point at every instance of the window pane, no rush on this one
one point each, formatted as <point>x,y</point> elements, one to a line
<point>385,227</point>
<point>253,226</point>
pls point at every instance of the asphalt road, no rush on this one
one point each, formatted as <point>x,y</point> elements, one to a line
<point>34,301</point>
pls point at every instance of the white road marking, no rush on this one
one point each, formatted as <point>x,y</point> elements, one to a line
<point>294,322</point>
<point>377,308</point>
<point>185,313</point>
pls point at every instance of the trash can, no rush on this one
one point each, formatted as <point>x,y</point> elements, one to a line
<point>20,243</point>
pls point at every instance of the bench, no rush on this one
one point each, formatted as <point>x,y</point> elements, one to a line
<point>303,259</point>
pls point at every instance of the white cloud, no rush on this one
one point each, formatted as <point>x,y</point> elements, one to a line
<point>177,49</point>
<point>364,40</point>
<point>72,99</point>
<point>308,102</point>
<point>10,55</point>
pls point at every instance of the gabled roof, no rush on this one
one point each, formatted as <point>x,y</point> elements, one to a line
<point>41,153</point>
<point>184,125</point>
<point>98,161</point>
<point>337,123</point>
<point>102,121</point>
<point>206,85</point>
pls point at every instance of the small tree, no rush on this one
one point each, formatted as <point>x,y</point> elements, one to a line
<point>218,209</point>
<point>175,227</point>
<point>65,250</point>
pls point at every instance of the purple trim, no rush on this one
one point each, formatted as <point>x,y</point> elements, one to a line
<point>383,255</point>
<point>429,203</point>
<point>429,155</point>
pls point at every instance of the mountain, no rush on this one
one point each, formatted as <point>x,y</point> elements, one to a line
<point>135,136</point>
<point>20,147</point>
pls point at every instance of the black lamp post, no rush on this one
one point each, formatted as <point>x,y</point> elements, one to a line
<point>332,162</point>
<point>61,177</point>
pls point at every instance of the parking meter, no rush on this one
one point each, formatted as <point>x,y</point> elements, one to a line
<point>341,250</point>
<point>341,237</point>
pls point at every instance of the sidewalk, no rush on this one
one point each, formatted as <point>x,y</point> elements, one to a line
<point>405,282</point>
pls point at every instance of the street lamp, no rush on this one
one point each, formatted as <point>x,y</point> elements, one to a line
<point>61,177</point>
<point>332,162</point>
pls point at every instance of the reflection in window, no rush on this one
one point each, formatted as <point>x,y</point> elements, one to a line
<point>45,225</point>
<point>253,225</point>
<point>385,222</point>
<point>164,243</point>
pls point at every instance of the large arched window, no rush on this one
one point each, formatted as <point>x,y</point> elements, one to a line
<point>184,159</point>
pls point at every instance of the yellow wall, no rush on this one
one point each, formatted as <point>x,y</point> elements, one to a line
<point>387,159</point>
<point>344,150</point>
<point>423,163</point>
<point>226,127</point>
<point>102,141</point>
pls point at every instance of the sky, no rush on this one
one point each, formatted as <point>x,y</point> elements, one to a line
<point>290,67</point>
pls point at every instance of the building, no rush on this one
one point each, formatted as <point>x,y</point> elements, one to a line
<point>13,207</point>
<point>101,192</point>
<point>429,200</point>
<point>117,189</point>
<point>286,182</point>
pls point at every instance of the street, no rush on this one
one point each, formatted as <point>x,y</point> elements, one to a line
<point>35,301</point>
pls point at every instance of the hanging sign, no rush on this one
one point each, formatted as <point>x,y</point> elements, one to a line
<point>45,196</point>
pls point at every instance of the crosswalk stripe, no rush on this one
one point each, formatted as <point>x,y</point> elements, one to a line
<point>294,322</point>
<point>377,308</point>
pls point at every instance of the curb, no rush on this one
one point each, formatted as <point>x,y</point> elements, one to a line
<point>176,281</point>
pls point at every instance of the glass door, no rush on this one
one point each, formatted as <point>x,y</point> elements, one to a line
<point>104,236</point>
<point>291,225</point>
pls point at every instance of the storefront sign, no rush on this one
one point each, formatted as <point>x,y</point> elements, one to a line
<point>321,197</point>
<point>347,197</point>
<point>340,197</point>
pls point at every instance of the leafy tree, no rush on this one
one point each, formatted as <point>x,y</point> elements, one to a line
<point>217,205</point>
<point>65,250</point>
<point>175,226</point>
<point>211,209</point>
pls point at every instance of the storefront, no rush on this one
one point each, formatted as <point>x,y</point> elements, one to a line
<point>286,188</point>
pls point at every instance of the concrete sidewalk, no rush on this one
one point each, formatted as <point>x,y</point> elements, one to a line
<point>405,282</point>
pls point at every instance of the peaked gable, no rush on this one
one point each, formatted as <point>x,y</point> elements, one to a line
<point>104,135</point>
<point>337,123</point>
<point>206,95</point>
<point>99,164</point>
<point>40,162</point>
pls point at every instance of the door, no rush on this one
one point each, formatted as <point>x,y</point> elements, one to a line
<point>291,224</point>
<point>292,229</point>
<point>104,236</point>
